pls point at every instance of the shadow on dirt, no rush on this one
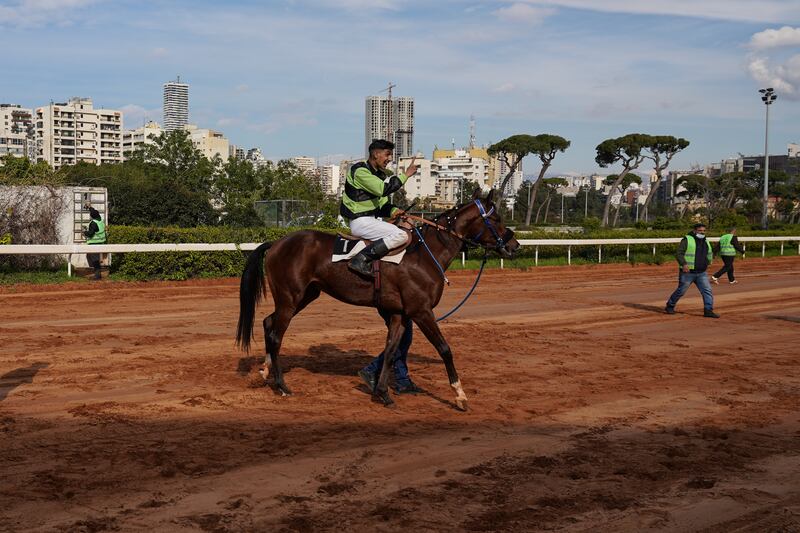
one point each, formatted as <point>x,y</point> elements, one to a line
<point>11,380</point>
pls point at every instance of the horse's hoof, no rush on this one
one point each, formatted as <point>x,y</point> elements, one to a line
<point>284,390</point>
<point>461,405</point>
<point>384,398</point>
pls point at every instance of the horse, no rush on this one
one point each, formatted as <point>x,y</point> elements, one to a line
<point>299,268</point>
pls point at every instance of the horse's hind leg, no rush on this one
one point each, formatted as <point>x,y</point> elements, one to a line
<point>275,326</point>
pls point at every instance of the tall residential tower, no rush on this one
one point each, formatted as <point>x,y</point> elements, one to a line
<point>176,105</point>
<point>391,119</point>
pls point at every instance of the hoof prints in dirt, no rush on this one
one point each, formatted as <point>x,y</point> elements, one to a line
<point>606,475</point>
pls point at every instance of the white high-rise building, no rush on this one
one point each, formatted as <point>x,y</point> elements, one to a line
<point>176,105</point>
<point>392,120</point>
<point>422,184</point>
<point>74,132</point>
<point>133,139</point>
<point>501,169</point>
<point>17,135</point>
<point>308,165</point>
<point>452,168</point>
<point>329,178</point>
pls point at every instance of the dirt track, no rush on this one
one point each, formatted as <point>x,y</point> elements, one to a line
<point>126,407</point>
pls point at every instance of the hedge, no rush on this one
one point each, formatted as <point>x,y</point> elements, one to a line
<point>184,265</point>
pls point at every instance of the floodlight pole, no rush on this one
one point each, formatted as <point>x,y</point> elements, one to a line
<point>768,96</point>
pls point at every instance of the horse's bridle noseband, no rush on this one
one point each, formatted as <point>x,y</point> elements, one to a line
<point>500,241</point>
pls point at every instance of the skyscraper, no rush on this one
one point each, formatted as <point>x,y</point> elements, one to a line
<point>391,119</point>
<point>176,105</point>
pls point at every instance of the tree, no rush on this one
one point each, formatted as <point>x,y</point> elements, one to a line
<point>626,150</point>
<point>621,186</point>
<point>516,147</point>
<point>550,186</point>
<point>661,151</point>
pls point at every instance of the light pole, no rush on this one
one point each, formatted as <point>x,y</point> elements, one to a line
<point>767,96</point>
<point>586,203</point>
<point>562,207</point>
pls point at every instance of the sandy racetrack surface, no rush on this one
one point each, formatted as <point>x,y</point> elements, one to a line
<point>126,407</point>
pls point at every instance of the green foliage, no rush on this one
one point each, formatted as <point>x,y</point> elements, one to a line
<point>5,238</point>
<point>591,224</point>
<point>185,265</point>
<point>545,145</point>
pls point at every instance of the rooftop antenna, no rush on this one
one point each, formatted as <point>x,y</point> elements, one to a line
<point>472,131</point>
<point>453,143</point>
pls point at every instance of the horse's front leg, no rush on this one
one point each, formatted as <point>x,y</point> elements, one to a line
<point>427,324</point>
<point>381,392</point>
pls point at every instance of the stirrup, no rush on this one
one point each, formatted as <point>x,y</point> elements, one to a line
<point>361,265</point>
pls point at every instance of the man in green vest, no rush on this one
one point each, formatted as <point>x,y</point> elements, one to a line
<point>365,203</point>
<point>95,233</point>
<point>694,255</point>
<point>726,249</point>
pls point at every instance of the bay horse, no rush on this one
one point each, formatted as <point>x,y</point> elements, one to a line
<point>299,268</point>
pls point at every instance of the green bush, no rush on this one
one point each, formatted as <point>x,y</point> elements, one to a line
<point>185,265</point>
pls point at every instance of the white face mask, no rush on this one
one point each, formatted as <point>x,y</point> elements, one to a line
<point>700,235</point>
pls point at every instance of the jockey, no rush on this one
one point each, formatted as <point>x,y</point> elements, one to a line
<point>366,200</point>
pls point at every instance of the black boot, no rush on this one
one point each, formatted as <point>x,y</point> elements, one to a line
<point>97,273</point>
<point>362,262</point>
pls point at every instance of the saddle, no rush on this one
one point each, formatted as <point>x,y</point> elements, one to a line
<point>347,246</point>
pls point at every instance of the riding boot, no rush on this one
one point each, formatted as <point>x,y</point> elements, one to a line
<point>97,273</point>
<point>362,262</point>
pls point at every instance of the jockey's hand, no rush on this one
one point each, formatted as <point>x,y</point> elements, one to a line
<point>412,168</point>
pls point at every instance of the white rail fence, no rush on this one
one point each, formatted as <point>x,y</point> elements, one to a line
<point>70,249</point>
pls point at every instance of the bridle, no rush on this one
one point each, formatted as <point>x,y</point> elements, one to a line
<point>471,241</point>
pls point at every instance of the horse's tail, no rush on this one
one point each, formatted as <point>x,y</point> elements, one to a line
<point>251,289</point>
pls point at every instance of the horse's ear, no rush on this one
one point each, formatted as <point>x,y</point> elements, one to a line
<point>476,193</point>
<point>490,196</point>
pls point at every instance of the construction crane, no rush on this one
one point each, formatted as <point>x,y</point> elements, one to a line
<point>390,109</point>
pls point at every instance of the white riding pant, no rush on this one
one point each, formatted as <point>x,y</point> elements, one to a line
<point>374,228</point>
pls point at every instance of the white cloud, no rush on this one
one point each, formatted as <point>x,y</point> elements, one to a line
<point>784,78</point>
<point>158,52</point>
<point>31,13</point>
<point>523,13</point>
<point>135,116</point>
<point>242,88</point>
<point>786,36</point>
<point>742,10</point>
<point>504,88</point>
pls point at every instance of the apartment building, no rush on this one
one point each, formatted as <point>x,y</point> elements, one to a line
<point>176,105</point>
<point>211,143</point>
<point>132,140</point>
<point>74,132</point>
<point>16,131</point>
<point>308,165</point>
<point>391,119</point>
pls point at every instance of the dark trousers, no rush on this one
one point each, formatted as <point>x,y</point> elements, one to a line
<point>94,262</point>
<point>726,267</point>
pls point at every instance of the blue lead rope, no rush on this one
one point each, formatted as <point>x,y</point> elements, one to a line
<point>435,262</point>
<point>444,277</point>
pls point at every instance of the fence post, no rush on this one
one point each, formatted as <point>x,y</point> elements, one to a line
<point>763,248</point>
<point>599,253</point>
<point>744,249</point>
<point>536,255</point>
<point>501,263</point>
<point>463,259</point>
<point>569,254</point>
<point>654,249</point>
<point>628,254</point>
<point>69,265</point>
<point>781,247</point>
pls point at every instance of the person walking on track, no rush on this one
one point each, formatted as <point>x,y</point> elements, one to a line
<point>694,255</point>
<point>402,379</point>
<point>727,248</point>
<point>366,201</point>
<point>95,234</point>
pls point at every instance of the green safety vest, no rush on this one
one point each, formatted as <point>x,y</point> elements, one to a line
<point>725,246</point>
<point>691,247</point>
<point>100,236</point>
<point>367,190</point>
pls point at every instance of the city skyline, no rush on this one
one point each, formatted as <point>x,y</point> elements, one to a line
<point>586,71</point>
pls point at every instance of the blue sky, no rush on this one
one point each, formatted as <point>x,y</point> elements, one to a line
<point>290,76</point>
